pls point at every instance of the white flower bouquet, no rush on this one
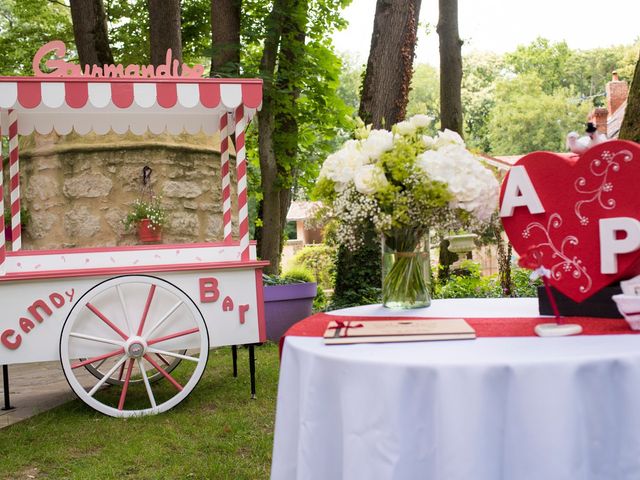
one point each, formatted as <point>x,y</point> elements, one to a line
<point>405,183</point>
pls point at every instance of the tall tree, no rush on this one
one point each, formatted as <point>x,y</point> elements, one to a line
<point>270,233</point>
<point>450,67</point>
<point>90,32</point>
<point>164,30</point>
<point>630,129</point>
<point>385,92</point>
<point>225,36</point>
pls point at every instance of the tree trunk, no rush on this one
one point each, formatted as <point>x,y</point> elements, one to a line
<point>290,77</point>
<point>270,232</point>
<point>164,31</point>
<point>225,38</point>
<point>387,80</point>
<point>630,129</point>
<point>450,67</point>
<point>90,32</point>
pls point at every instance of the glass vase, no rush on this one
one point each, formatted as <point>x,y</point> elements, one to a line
<point>406,272</point>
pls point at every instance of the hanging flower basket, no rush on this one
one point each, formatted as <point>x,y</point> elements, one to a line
<point>148,217</point>
<point>147,233</point>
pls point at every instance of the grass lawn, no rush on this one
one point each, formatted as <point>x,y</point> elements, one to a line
<point>218,432</point>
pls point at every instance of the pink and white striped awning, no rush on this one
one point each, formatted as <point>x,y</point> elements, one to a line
<point>100,105</point>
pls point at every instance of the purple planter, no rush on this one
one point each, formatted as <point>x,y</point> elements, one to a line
<point>285,305</point>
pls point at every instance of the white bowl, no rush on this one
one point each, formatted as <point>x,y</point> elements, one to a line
<point>629,307</point>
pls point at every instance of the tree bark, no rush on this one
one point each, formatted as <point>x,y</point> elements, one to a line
<point>90,32</point>
<point>387,80</point>
<point>277,122</point>
<point>286,119</point>
<point>225,38</point>
<point>165,31</point>
<point>450,67</point>
<point>270,232</point>
<point>630,129</point>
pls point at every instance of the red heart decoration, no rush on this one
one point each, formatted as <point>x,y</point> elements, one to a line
<point>576,192</point>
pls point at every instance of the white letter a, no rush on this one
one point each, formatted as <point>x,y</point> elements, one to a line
<point>519,192</point>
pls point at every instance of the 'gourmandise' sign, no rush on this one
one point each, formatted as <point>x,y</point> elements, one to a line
<point>61,68</point>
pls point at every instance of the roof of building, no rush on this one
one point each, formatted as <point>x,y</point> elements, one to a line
<point>301,210</point>
<point>614,121</point>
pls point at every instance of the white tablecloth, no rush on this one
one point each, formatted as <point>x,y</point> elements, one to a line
<point>523,408</point>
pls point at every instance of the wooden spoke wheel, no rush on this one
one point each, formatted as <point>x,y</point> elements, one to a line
<point>131,329</point>
<point>99,369</point>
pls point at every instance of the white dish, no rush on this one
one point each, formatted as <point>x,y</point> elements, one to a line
<point>629,307</point>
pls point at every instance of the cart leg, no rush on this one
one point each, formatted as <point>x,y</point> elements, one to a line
<point>234,356</point>
<point>252,370</point>
<point>5,385</point>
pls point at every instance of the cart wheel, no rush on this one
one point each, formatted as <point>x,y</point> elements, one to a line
<point>122,327</point>
<point>98,369</point>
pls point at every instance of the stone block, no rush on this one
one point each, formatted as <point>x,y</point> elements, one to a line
<point>87,185</point>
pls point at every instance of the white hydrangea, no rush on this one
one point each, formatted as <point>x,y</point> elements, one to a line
<point>473,186</point>
<point>448,137</point>
<point>369,179</point>
<point>342,165</point>
<point>378,142</point>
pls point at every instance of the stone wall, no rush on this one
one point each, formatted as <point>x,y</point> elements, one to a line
<point>78,190</point>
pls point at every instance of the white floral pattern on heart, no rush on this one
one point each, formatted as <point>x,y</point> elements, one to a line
<point>600,168</point>
<point>563,262</point>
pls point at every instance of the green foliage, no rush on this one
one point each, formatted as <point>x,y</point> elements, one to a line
<point>129,31</point>
<point>526,118</point>
<point>26,25</point>
<point>298,274</point>
<point>474,285</point>
<point>151,209</point>
<point>584,72</point>
<point>424,96</point>
<point>25,216</point>
<point>522,284</point>
<point>319,259</point>
<point>358,274</point>
<point>350,81</point>
<point>321,114</point>
<point>544,58</point>
<point>481,71</point>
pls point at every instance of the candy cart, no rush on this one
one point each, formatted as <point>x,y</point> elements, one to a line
<point>131,326</point>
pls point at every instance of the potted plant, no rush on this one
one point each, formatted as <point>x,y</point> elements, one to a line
<point>405,183</point>
<point>148,217</point>
<point>287,300</point>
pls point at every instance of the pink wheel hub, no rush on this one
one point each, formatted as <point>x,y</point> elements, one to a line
<point>136,347</point>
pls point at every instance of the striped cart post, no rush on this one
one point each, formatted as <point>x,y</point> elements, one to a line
<point>241,167</point>
<point>226,177</point>
<point>14,173</point>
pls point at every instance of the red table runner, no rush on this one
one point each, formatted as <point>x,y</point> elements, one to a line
<point>315,325</point>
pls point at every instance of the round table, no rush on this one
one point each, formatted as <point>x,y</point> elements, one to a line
<point>523,408</point>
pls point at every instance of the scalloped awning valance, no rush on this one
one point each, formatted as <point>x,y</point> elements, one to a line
<point>100,105</point>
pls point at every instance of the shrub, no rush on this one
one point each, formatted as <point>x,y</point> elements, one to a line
<point>522,284</point>
<point>470,285</point>
<point>321,260</point>
<point>298,275</point>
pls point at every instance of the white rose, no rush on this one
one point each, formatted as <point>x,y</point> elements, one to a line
<point>378,142</point>
<point>428,141</point>
<point>405,128</point>
<point>369,178</point>
<point>449,137</point>
<point>420,121</point>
